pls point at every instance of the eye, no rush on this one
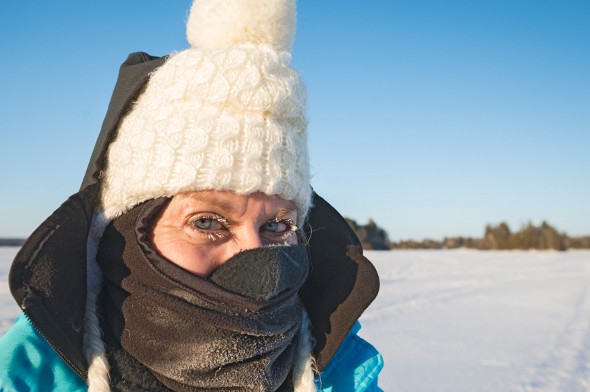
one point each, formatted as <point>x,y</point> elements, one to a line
<point>211,227</point>
<point>279,226</point>
<point>207,223</point>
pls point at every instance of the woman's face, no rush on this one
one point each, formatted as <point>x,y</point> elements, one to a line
<point>199,231</point>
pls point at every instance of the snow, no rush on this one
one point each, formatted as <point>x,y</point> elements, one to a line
<point>465,320</point>
<point>9,310</point>
<point>482,321</point>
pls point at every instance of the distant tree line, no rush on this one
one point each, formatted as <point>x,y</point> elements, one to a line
<point>11,241</point>
<point>496,237</point>
<point>370,235</point>
<point>530,236</point>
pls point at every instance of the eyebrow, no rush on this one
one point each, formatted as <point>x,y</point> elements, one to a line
<point>284,211</point>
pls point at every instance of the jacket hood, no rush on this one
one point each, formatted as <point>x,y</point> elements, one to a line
<point>48,275</point>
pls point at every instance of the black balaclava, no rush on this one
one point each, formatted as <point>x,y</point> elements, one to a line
<point>233,332</point>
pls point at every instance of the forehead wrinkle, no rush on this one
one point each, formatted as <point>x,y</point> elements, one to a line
<point>216,199</point>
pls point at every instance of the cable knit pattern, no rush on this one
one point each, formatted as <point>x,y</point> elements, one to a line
<point>226,119</point>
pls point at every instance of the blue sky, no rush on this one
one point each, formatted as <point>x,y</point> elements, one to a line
<point>433,118</point>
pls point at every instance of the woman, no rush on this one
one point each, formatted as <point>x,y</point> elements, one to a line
<point>196,256</point>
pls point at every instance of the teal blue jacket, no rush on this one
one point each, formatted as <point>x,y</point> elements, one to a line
<point>29,363</point>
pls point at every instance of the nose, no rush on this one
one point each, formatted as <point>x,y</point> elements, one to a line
<point>249,238</point>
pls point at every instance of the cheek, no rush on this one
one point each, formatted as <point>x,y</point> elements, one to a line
<point>293,239</point>
<point>198,259</point>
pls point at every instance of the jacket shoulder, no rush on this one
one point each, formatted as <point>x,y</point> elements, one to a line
<point>354,368</point>
<point>28,363</point>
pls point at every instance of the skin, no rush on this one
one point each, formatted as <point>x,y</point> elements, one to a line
<point>199,231</point>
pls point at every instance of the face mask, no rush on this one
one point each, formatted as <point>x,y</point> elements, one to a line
<point>236,330</point>
<point>263,273</point>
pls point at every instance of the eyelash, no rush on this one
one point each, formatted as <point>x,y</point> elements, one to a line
<point>291,226</point>
<point>214,236</point>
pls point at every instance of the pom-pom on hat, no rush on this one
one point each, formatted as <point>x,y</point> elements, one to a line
<point>226,114</point>
<point>217,24</point>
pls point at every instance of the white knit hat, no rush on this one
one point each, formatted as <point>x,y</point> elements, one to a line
<point>226,114</point>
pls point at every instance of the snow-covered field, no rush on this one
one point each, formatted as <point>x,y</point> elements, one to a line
<point>482,321</point>
<point>8,308</point>
<point>467,320</point>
